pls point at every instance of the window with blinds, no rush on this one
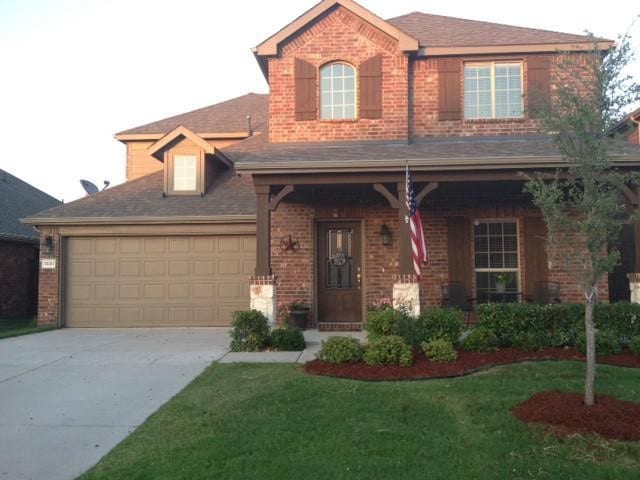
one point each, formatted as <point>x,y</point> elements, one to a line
<point>493,90</point>
<point>496,261</point>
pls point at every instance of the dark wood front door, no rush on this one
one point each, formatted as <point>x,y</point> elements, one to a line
<point>339,272</point>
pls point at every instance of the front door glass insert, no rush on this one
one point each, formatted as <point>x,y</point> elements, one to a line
<point>339,258</point>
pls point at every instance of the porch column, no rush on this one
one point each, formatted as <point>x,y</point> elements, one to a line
<point>263,227</point>
<point>405,262</point>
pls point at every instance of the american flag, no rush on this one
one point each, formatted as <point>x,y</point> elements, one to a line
<point>418,245</point>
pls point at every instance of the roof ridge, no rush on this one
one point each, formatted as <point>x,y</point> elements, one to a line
<point>487,22</point>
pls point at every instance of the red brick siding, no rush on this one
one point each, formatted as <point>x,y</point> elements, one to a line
<point>295,272</point>
<point>18,274</point>
<point>49,288</point>
<point>338,35</point>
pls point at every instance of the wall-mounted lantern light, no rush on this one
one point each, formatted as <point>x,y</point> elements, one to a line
<point>48,244</point>
<point>386,235</point>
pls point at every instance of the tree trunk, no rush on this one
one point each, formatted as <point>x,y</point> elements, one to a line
<point>590,333</point>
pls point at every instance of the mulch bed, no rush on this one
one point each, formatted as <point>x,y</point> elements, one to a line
<point>467,363</point>
<point>567,414</point>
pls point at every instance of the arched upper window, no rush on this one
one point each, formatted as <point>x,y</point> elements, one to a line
<point>337,91</point>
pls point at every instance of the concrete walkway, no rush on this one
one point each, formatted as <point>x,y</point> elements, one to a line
<point>69,396</point>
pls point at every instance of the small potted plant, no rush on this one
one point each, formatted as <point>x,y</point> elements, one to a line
<point>502,280</point>
<point>298,315</point>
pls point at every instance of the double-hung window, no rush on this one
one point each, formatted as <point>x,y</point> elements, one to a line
<point>493,90</point>
<point>496,261</point>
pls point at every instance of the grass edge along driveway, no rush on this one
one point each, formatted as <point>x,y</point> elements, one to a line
<point>14,327</point>
<point>242,421</point>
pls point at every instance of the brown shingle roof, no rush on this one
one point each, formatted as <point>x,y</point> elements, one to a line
<point>225,117</point>
<point>473,152</point>
<point>228,195</point>
<point>441,31</point>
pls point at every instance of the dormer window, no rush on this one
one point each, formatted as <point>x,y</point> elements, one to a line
<point>337,92</point>
<point>185,173</point>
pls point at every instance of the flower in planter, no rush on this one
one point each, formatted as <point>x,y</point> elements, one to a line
<point>504,278</point>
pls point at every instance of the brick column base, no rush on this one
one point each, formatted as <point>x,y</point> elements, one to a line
<point>263,296</point>
<point>634,286</point>
<point>406,294</point>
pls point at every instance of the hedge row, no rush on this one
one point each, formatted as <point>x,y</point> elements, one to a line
<point>556,325</point>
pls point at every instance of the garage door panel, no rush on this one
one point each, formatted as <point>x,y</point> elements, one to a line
<point>154,268</point>
<point>128,291</point>
<point>130,268</point>
<point>81,269</point>
<point>105,269</point>
<point>105,292</point>
<point>130,245</point>
<point>106,245</point>
<point>157,281</point>
<point>179,267</point>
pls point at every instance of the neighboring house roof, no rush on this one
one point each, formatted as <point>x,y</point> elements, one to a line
<point>228,117</point>
<point>439,153</point>
<point>440,31</point>
<point>18,199</point>
<point>229,198</point>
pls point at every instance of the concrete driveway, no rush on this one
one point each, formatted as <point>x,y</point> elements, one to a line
<point>69,396</point>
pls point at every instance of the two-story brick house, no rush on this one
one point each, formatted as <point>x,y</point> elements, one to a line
<point>298,196</point>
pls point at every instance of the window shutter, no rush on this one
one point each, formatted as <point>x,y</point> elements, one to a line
<point>459,242</point>
<point>370,75</point>
<point>536,266</point>
<point>450,101</point>
<point>538,85</point>
<point>306,97</point>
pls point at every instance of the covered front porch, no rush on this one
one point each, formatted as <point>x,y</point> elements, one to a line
<point>339,243</point>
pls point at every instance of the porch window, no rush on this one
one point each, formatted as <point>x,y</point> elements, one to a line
<point>337,92</point>
<point>496,261</point>
<point>185,173</point>
<point>493,90</point>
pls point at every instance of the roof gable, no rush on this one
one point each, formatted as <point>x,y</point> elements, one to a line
<point>269,47</point>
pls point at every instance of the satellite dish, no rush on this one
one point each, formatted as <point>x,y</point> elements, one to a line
<point>89,187</point>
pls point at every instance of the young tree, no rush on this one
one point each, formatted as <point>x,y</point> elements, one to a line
<point>582,205</point>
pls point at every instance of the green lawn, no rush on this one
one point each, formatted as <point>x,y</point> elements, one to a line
<point>13,327</point>
<point>250,421</point>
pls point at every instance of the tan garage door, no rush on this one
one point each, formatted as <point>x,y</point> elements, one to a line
<point>157,281</point>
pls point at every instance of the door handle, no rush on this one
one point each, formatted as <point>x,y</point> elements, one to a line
<point>359,278</point>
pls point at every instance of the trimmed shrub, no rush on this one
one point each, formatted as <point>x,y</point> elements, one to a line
<point>287,339</point>
<point>439,350</point>
<point>250,331</point>
<point>439,323</point>
<point>341,350</point>
<point>634,344</point>
<point>607,343</point>
<point>388,321</point>
<point>529,341</point>
<point>389,350</point>
<point>481,340</point>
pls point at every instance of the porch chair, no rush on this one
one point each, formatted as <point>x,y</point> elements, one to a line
<point>545,293</point>
<point>454,295</point>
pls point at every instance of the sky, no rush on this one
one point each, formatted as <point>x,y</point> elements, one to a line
<point>75,72</point>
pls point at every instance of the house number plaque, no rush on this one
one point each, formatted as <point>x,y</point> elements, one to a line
<point>48,264</point>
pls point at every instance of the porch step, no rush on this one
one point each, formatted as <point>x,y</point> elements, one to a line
<point>339,327</point>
